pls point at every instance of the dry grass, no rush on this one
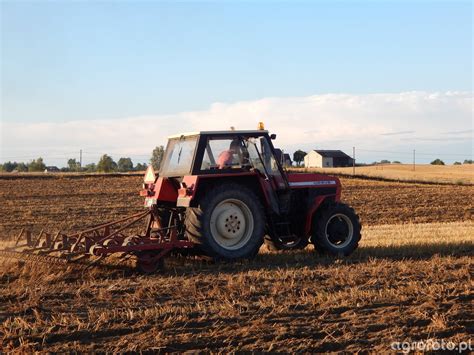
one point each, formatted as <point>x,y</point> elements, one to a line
<point>418,285</point>
<point>456,174</point>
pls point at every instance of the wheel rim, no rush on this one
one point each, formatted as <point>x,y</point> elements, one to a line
<point>231,224</point>
<point>339,230</point>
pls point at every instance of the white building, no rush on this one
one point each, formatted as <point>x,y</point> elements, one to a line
<point>326,159</point>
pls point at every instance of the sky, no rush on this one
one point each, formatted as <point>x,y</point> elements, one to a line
<point>118,77</point>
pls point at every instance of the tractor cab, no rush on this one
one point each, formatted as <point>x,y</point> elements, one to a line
<point>232,155</point>
<point>222,152</point>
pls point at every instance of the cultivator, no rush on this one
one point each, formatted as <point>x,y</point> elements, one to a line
<point>97,242</point>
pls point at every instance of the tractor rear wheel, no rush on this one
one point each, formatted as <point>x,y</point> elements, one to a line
<point>228,224</point>
<point>336,230</point>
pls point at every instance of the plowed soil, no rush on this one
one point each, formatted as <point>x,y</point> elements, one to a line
<point>72,203</point>
<point>409,280</point>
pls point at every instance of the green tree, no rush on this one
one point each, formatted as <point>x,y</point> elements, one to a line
<point>298,157</point>
<point>73,165</point>
<point>396,162</point>
<point>22,167</point>
<point>90,168</point>
<point>467,161</point>
<point>437,162</point>
<point>157,157</point>
<point>106,164</point>
<point>385,161</point>
<point>9,166</point>
<point>457,163</point>
<point>36,165</point>
<point>125,164</point>
<point>140,167</point>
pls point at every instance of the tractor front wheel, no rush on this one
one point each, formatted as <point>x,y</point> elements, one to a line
<point>336,230</point>
<point>228,223</point>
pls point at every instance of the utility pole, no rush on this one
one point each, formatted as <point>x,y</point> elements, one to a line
<point>413,159</point>
<point>353,160</point>
<point>80,159</point>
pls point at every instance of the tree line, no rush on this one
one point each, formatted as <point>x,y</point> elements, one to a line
<point>298,158</point>
<point>105,164</point>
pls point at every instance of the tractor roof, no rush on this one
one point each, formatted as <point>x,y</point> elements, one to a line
<point>257,132</point>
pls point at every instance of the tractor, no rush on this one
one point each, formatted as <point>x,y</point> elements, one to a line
<point>220,194</point>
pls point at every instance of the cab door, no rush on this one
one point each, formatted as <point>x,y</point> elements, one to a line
<point>273,182</point>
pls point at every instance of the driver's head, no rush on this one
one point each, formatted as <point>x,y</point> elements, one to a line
<point>235,146</point>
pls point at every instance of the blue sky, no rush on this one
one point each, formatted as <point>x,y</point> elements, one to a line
<point>85,61</point>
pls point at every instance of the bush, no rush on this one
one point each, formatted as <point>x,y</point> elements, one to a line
<point>90,168</point>
<point>125,164</point>
<point>140,167</point>
<point>457,163</point>
<point>106,164</point>
<point>437,162</point>
<point>22,167</point>
<point>467,161</point>
<point>36,165</point>
<point>73,165</point>
<point>9,166</point>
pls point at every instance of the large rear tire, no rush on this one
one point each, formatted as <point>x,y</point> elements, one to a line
<point>228,224</point>
<point>336,230</point>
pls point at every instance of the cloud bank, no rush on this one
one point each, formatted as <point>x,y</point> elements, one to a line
<point>439,122</point>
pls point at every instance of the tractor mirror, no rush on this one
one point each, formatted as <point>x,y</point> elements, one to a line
<point>273,136</point>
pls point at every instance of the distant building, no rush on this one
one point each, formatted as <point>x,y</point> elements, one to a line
<point>327,159</point>
<point>52,169</point>
<point>283,158</point>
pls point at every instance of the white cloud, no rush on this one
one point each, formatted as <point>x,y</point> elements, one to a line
<point>371,122</point>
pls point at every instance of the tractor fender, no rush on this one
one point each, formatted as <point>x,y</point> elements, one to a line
<point>193,187</point>
<point>317,204</point>
<point>187,191</point>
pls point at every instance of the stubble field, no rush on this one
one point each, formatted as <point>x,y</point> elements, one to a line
<point>410,279</point>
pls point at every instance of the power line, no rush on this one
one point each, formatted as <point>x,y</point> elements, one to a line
<point>410,153</point>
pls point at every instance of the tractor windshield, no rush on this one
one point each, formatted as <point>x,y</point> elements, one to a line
<point>262,158</point>
<point>179,156</point>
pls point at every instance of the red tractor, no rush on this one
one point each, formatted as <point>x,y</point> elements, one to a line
<point>218,193</point>
<point>227,194</point>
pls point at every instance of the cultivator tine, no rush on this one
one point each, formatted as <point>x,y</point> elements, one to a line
<point>30,257</point>
<point>97,242</point>
<point>19,236</point>
<point>28,238</point>
<point>36,241</point>
<point>74,246</point>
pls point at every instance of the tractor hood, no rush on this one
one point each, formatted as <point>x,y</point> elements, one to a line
<point>312,180</point>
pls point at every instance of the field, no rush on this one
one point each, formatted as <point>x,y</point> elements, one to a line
<point>410,279</point>
<point>457,174</point>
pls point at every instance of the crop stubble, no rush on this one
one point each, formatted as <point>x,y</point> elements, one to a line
<point>72,203</point>
<point>406,281</point>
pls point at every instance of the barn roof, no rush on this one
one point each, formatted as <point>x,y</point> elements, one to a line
<point>331,153</point>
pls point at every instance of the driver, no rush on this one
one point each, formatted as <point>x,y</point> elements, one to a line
<point>226,157</point>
